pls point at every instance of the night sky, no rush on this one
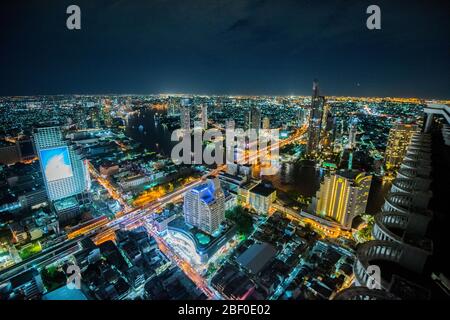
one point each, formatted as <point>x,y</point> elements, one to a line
<point>226,47</point>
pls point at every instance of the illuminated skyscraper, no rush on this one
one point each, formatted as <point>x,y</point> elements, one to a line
<point>204,116</point>
<point>399,138</point>
<point>315,120</point>
<point>64,169</point>
<point>255,118</point>
<point>343,196</point>
<point>302,116</point>
<point>185,118</point>
<point>204,206</point>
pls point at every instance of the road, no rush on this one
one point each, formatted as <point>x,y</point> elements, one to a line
<point>133,218</point>
<point>190,272</point>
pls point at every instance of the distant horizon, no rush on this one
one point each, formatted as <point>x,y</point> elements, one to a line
<point>447,100</point>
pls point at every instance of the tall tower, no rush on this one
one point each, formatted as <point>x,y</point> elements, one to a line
<point>315,120</point>
<point>255,118</point>
<point>399,138</point>
<point>65,171</point>
<point>343,196</point>
<point>185,118</point>
<point>302,116</point>
<point>204,206</point>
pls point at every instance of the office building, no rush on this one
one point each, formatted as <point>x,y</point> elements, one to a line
<point>204,206</point>
<point>302,116</point>
<point>258,196</point>
<point>343,196</point>
<point>315,120</point>
<point>64,169</point>
<point>185,118</point>
<point>399,137</point>
<point>254,118</point>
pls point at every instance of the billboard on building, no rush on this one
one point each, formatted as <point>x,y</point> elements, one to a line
<point>56,163</point>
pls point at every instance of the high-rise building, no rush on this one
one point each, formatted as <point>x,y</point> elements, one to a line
<point>185,118</point>
<point>174,108</point>
<point>343,196</point>
<point>302,116</point>
<point>254,118</point>
<point>266,123</point>
<point>204,116</point>
<point>315,120</point>
<point>64,169</point>
<point>204,206</point>
<point>398,141</point>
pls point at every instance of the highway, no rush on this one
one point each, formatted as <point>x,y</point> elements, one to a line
<point>47,256</point>
<point>131,219</point>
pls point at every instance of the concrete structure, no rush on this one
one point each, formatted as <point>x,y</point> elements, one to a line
<point>435,109</point>
<point>315,120</point>
<point>197,244</point>
<point>401,248</point>
<point>65,171</point>
<point>343,196</point>
<point>399,138</point>
<point>204,206</point>
<point>258,196</point>
<point>256,257</point>
<point>254,119</point>
<point>185,118</point>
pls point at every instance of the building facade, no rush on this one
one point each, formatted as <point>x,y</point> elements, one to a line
<point>315,120</point>
<point>185,118</point>
<point>204,206</point>
<point>398,141</point>
<point>343,196</point>
<point>64,168</point>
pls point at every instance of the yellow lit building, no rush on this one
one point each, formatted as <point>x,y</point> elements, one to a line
<point>343,196</point>
<point>399,137</point>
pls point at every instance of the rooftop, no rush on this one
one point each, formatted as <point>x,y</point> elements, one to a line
<point>263,189</point>
<point>64,293</point>
<point>257,256</point>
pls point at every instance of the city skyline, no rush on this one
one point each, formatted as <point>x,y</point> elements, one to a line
<point>227,47</point>
<point>305,157</point>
